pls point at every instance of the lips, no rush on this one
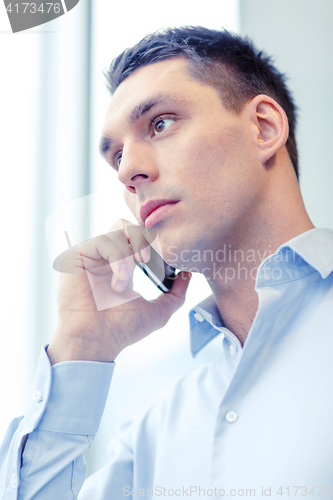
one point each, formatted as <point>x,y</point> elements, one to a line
<point>148,208</point>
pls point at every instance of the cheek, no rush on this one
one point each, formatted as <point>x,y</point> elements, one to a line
<point>191,155</point>
<point>209,143</point>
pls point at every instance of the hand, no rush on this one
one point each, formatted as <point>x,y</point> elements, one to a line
<point>99,313</point>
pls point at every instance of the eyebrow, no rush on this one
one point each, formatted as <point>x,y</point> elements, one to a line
<point>143,108</point>
<point>139,111</point>
<point>104,145</point>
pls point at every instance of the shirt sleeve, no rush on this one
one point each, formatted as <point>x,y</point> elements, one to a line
<point>61,420</point>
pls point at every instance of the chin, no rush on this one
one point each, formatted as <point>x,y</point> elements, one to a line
<point>175,253</point>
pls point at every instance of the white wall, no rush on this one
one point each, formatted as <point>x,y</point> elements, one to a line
<point>44,89</point>
<point>299,34</point>
<point>18,98</point>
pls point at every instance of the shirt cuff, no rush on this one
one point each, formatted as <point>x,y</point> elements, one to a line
<point>69,397</point>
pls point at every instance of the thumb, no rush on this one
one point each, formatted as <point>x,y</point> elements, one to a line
<point>179,286</point>
<point>173,300</point>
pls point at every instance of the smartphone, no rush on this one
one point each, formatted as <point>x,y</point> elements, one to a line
<point>158,271</point>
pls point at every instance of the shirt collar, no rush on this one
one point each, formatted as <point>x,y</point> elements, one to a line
<point>310,251</point>
<point>316,248</point>
<point>205,324</point>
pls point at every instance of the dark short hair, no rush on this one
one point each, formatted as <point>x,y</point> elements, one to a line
<point>218,58</point>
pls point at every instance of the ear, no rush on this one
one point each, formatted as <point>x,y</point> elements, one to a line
<point>270,126</point>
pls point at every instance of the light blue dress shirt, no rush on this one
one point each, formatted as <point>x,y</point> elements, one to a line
<point>256,422</point>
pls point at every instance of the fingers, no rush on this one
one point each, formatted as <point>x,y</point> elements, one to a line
<point>133,244</point>
<point>137,239</point>
<point>138,242</point>
<point>110,247</point>
<point>112,253</point>
<point>92,255</point>
<point>173,300</point>
<point>122,273</point>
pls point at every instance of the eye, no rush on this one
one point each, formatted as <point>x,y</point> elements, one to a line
<point>117,159</point>
<point>160,124</point>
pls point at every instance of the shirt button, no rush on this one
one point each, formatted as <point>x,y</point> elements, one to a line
<point>233,350</point>
<point>231,417</point>
<point>37,396</point>
<point>13,483</point>
<point>199,317</point>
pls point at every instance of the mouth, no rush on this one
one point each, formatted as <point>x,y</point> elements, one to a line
<point>152,211</point>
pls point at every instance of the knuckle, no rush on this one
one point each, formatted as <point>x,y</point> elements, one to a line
<point>118,224</point>
<point>126,222</point>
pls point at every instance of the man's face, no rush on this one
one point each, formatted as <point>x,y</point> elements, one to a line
<point>174,144</point>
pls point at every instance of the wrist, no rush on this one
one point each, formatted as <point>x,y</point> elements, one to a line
<point>64,349</point>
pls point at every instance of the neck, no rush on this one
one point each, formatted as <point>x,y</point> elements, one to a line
<point>280,217</point>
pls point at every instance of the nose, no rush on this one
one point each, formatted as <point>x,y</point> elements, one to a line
<point>137,167</point>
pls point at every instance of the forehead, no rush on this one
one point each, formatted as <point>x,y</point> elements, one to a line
<point>170,78</point>
<point>169,72</point>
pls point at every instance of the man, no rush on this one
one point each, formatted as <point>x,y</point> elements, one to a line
<point>200,130</point>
